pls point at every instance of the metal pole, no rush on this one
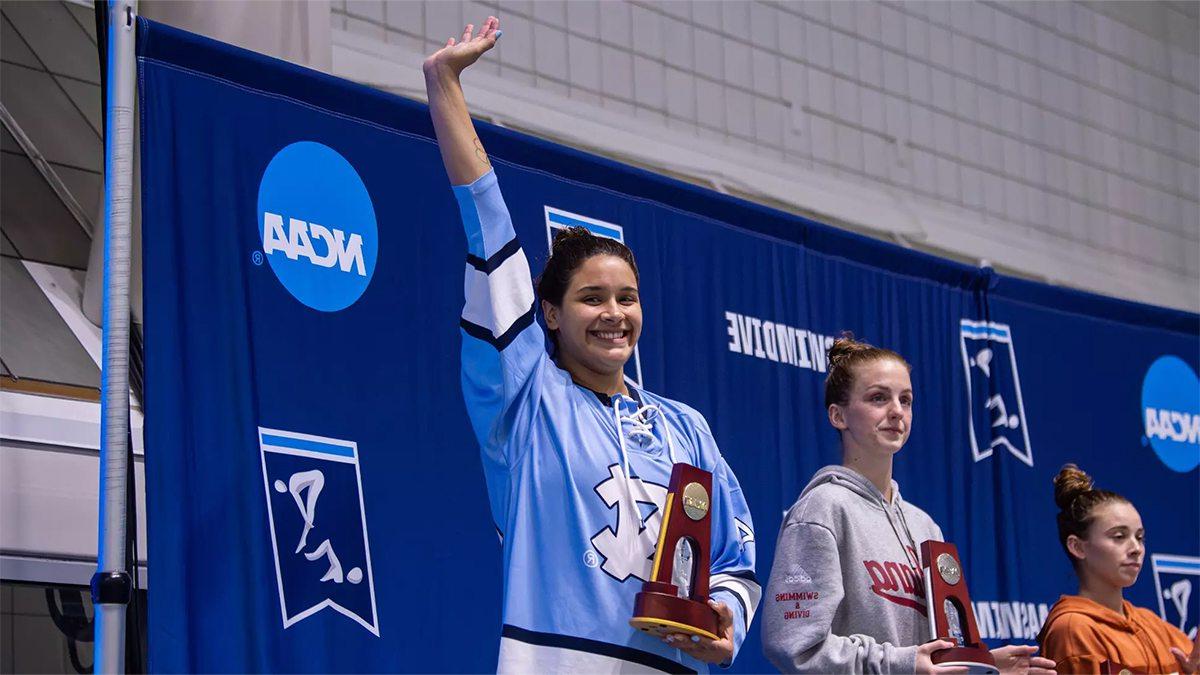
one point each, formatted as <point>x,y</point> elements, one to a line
<point>111,585</point>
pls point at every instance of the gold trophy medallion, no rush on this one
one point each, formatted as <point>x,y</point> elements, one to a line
<point>695,501</point>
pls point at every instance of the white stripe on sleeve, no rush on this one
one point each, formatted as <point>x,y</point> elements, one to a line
<point>495,301</point>
<point>749,592</point>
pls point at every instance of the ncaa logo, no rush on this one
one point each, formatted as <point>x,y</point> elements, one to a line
<point>997,411</point>
<point>317,226</point>
<point>1171,413</point>
<point>557,219</point>
<point>1175,579</point>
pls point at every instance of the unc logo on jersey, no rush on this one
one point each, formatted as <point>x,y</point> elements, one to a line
<point>557,219</point>
<point>1171,412</point>
<point>318,526</point>
<point>628,550</point>
<point>1176,578</point>
<point>744,531</point>
<point>997,419</point>
<point>317,226</point>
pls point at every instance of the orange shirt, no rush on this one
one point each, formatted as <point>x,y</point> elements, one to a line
<point>1080,634</point>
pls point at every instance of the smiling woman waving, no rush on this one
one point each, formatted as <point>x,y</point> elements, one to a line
<point>576,459</point>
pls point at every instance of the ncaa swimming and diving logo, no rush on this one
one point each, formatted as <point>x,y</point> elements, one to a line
<point>1177,582</point>
<point>1171,413</point>
<point>317,226</point>
<point>997,410</point>
<point>318,526</point>
<point>557,219</point>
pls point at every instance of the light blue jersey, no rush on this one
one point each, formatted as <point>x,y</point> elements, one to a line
<point>578,506</point>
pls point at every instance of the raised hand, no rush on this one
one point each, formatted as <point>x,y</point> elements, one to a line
<point>462,153</point>
<point>457,55</point>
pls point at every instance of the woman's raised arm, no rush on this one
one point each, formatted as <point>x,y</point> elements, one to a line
<point>462,153</point>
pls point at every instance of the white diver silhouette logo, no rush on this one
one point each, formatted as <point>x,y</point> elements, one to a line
<point>1179,593</point>
<point>313,482</point>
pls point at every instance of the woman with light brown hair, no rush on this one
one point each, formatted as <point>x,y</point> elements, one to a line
<point>1102,535</point>
<point>845,594</point>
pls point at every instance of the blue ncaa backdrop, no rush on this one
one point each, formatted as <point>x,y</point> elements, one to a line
<point>316,500</point>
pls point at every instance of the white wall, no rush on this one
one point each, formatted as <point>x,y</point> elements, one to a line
<point>1065,142</point>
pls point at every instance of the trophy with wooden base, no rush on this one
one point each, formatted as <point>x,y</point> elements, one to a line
<point>949,610</point>
<point>675,600</point>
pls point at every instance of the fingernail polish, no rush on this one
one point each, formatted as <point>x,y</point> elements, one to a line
<point>499,33</point>
<point>695,638</point>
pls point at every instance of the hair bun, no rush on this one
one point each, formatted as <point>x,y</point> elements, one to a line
<point>844,347</point>
<point>574,235</point>
<point>1070,482</point>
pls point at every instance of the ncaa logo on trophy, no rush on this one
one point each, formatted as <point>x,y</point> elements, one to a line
<point>997,412</point>
<point>317,226</point>
<point>318,526</point>
<point>557,219</point>
<point>1177,582</point>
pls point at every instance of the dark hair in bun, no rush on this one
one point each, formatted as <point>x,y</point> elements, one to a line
<point>1077,499</point>
<point>573,246</point>
<point>845,354</point>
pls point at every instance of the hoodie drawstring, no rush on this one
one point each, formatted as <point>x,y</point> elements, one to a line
<point>912,551</point>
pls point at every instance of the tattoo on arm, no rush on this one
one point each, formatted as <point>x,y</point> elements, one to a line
<point>480,153</point>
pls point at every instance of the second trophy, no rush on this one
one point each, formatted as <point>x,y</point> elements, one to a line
<point>950,614</point>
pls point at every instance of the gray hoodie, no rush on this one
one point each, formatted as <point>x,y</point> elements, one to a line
<point>846,592</point>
